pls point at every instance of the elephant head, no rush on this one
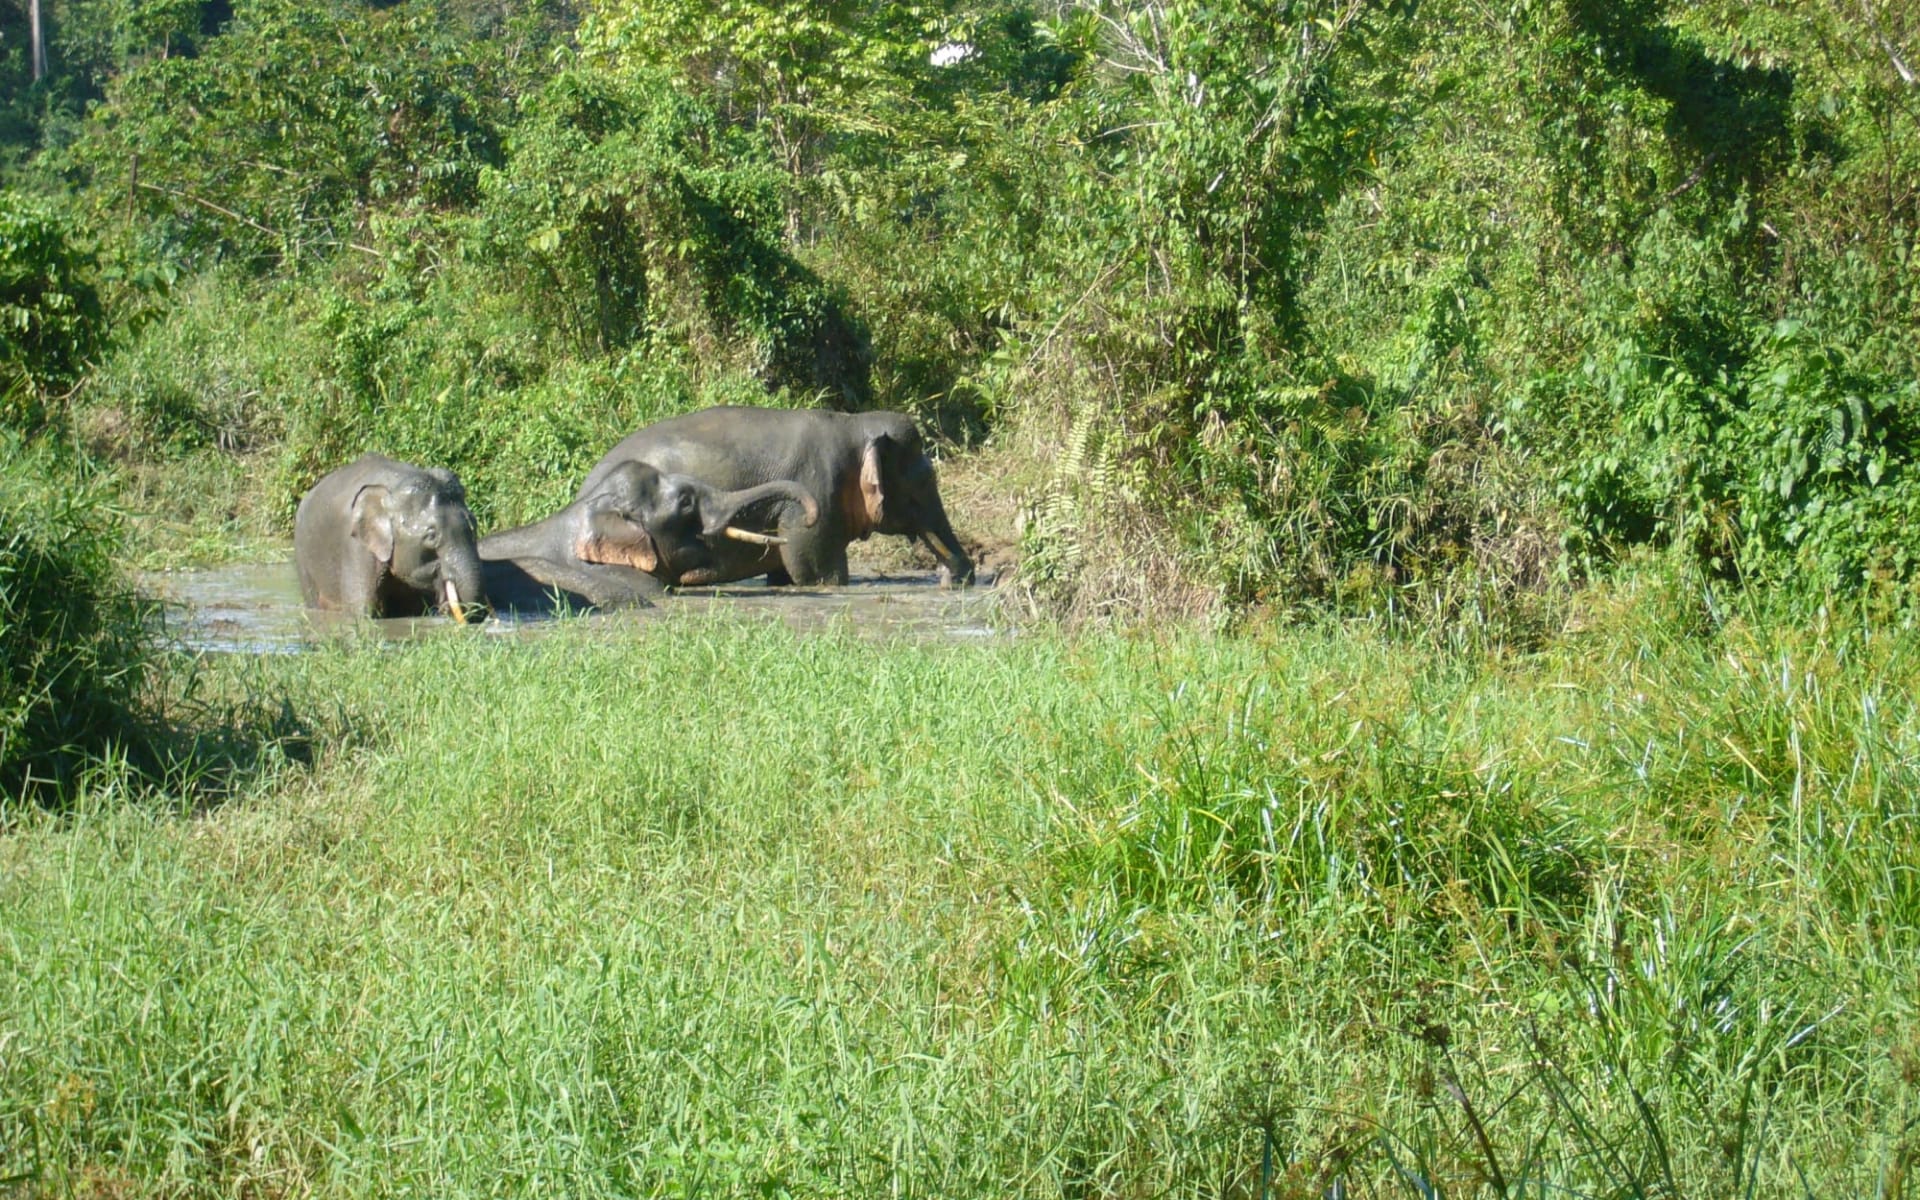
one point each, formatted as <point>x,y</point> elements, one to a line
<point>382,538</point>
<point>897,493</point>
<point>665,524</point>
<point>419,530</point>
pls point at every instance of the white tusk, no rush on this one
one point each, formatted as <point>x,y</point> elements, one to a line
<point>758,539</point>
<point>454,609</point>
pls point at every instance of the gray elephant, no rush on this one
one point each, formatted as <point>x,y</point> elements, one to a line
<point>865,473</point>
<point>543,585</point>
<point>380,538</point>
<point>629,534</point>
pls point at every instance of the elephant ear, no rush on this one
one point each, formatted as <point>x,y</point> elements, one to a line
<point>873,498</point>
<point>615,539</point>
<point>373,523</point>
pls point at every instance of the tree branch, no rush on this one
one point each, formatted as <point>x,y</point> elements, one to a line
<point>1886,44</point>
<point>206,204</point>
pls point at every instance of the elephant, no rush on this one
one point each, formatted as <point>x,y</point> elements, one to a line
<point>541,585</point>
<point>631,533</point>
<point>865,473</point>
<point>380,538</point>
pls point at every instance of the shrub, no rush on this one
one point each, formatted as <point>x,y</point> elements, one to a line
<point>50,318</point>
<point>1824,463</point>
<point>627,211</point>
<point>267,145</point>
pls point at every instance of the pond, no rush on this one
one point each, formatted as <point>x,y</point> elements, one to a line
<point>255,608</point>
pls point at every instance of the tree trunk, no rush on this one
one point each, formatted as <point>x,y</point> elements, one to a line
<point>39,41</point>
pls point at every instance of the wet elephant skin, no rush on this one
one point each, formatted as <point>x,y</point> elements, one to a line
<point>382,538</point>
<point>866,473</point>
<point>632,532</point>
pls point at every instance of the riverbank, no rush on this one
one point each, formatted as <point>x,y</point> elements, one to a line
<point>742,911</point>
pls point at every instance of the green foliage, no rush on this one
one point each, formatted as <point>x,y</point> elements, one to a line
<point>268,144</point>
<point>1350,302</point>
<point>50,316</point>
<point>444,376</point>
<point>219,371</point>
<point>803,74</point>
<point>627,211</point>
<point>1248,797</point>
<point>74,642</point>
<point>1824,463</point>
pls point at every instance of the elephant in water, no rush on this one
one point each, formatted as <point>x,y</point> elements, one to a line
<point>864,472</point>
<point>633,532</point>
<point>542,585</point>
<point>380,538</point>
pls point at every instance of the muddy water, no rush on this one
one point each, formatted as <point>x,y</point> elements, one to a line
<point>256,609</point>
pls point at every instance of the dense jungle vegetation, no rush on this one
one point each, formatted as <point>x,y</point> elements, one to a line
<point>1432,304</point>
<point>1456,463</point>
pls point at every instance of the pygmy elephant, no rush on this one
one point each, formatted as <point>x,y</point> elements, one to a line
<point>380,538</point>
<point>634,530</point>
<point>864,472</point>
<point>542,585</point>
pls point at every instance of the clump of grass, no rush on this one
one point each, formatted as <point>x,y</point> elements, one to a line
<point>90,700</point>
<point>74,646</point>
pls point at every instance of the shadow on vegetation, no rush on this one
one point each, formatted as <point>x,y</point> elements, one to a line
<point>202,753</point>
<point>1737,119</point>
<point>195,753</point>
<point>1605,1129</point>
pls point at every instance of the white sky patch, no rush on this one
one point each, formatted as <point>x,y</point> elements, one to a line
<point>950,53</point>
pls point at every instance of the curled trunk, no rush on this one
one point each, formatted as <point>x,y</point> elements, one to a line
<point>732,509</point>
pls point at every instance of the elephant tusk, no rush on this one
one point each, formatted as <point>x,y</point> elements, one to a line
<point>938,547</point>
<point>454,607</point>
<point>757,539</point>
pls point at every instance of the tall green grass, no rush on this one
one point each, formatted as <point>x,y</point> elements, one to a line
<point>713,909</point>
<point>73,646</point>
<point>89,698</point>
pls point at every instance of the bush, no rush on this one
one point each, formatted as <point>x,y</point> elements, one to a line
<point>267,146</point>
<point>627,211</point>
<point>74,641</point>
<point>1824,463</point>
<point>219,368</point>
<point>50,318</point>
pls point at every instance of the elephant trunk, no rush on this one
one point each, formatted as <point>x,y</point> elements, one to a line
<point>463,589</point>
<point>731,508</point>
<point>539,539</point>
<point>939,537</point>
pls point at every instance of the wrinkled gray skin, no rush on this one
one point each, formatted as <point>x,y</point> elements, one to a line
<point>866,472</point>
<point>380,538</point>
<point>629,534</point>
<point>540,585</point>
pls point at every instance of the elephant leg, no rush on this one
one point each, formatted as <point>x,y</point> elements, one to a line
<point>360,590</point>
<point>813,561</point>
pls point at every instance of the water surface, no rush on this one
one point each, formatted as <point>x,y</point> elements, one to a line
<point>255,608</point>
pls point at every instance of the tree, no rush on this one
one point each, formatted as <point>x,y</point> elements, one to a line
<point>39,41</point>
